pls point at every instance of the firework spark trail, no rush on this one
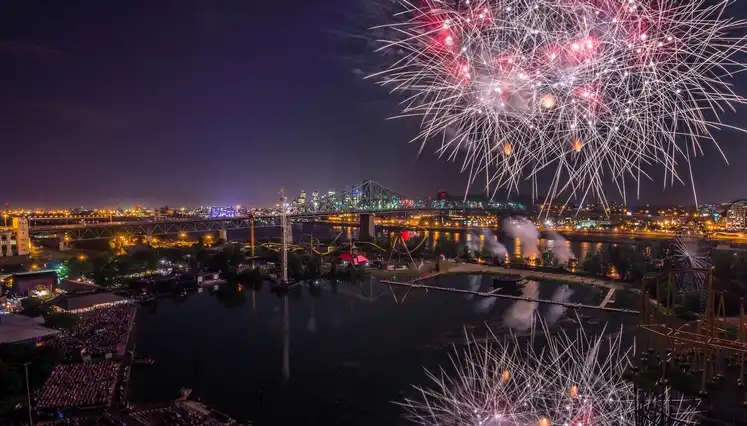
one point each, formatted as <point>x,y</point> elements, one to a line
<point>693,253</point>
<point>593,90</point>
<point>571,380</point>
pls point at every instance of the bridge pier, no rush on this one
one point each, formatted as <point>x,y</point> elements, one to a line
<point>288,233</point>
<point>148,239</point>
<point>367,229</point>
<point>223,235</point>
<point>64,244</point>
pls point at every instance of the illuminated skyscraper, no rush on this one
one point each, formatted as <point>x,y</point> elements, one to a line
<point>736,217</point>
<point>301,200</point>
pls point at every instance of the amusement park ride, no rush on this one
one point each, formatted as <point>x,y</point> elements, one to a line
<point>705,355</point>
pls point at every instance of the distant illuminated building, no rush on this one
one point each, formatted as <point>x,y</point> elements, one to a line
<point>220,212</point>
<point>301,201</point>
<point>315,199</point>
<point>15,241</point>
<point>736,216</point>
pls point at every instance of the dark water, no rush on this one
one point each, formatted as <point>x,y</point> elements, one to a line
<point>350,353</point>
<point>303,233</point>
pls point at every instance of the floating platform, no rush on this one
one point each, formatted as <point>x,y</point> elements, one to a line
<point>506,280</point>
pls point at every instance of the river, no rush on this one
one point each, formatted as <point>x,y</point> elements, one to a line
<point>349,350</point>
<point>513,245</point>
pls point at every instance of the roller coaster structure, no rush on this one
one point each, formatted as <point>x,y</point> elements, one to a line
<point>691,347</point>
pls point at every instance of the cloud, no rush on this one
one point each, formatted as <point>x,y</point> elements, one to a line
<point>28,50</point>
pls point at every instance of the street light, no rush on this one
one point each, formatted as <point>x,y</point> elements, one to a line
<point>28,391</point>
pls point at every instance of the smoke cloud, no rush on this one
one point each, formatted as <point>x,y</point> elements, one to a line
<point>559,248</point>
<point>495,248</point>
<point>526,232</point>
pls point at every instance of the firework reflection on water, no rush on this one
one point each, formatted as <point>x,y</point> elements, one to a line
<point>547,378</point>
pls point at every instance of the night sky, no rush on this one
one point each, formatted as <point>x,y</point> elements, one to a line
<point>186,102</point>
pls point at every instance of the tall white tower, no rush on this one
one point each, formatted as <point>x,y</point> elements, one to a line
<point>284,234</point>
<point>23,240</point>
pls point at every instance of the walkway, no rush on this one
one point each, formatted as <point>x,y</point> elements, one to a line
<point>607,298</point>
<point>493,293</point>
<point>536,275</point>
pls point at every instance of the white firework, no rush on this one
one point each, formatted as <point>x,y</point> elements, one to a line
<point>569,381</point>
<point>692,253</point>
<point>581,88</point>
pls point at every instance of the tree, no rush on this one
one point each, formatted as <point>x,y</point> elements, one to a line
<point>226,260</point>
<point>593,263</point>
<point>230,295</point>
<point>295,265</point>
<point>119,245</point>
<point>313,267</point>
<point>486,254</point>
<point>447,247</point>
<point>145,258</point>
<point>250,278</point>
<point>548,258</point>
<point>80,266</point>
<point>722,261</point>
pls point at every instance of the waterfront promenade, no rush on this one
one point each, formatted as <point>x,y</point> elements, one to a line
<point>425,271</point>
<point>476,268</point>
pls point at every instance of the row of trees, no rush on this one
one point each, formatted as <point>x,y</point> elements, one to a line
<point>631,261</point>
<point>108,270</point>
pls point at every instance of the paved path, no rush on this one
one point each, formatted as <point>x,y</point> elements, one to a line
<point>494,293</point>
<point>528,273</point>
<point>607,298</point>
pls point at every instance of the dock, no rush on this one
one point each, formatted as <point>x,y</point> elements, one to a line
<point>607,298</point>
<point>415,285</point>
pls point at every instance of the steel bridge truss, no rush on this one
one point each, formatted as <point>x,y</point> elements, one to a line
<point>371,196</point>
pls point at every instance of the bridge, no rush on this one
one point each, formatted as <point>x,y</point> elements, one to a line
<point>365,200</point>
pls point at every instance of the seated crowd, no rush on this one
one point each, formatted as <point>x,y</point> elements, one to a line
<point>100,420</point>
<point>78,385</point>
<point>98,332</point>
<point>175,415</point>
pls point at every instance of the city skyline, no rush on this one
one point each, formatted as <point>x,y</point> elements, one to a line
<point>194,103</point>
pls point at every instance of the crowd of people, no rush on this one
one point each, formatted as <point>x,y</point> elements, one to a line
<point>175,415</point>
<point>78,385</point>
<point>99,332</point>
<point>98,420</point>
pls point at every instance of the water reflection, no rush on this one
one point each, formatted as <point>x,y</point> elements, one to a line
<point>521,314</point>
<point>562,294</point>
<point>286,339</point>
<point>311,324</point>
<point>473,284</point>
<point>355,347</point>
<point>532,247</point>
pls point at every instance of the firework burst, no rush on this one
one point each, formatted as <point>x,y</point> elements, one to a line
<point>693,253</point>
<point>582,88</point>
<point>570,381</point>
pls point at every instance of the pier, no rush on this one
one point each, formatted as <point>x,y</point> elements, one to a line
<point>494,293</point>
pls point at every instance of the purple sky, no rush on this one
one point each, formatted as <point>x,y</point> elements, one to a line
<point>186,102</point>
